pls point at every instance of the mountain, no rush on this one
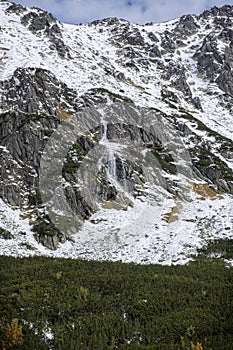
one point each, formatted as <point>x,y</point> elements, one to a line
<point>116,138</point>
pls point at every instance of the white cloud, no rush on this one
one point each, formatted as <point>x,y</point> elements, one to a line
<point>139,11</point>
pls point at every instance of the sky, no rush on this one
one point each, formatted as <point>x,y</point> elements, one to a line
<point>137,11</point>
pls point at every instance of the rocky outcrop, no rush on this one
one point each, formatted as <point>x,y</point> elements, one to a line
<point>43,22</point>
<point>34,102</point>
<point>186,26</point>
<point>225,81</point>
<point>216,65</point>
<point>37,91</point>
<point>167,42</point>
<point>209,60</point>
<point>176,74</point>
<point>16,8</point>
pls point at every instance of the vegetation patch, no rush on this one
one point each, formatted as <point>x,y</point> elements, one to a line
<point>5,234</point>
<point>130,82</point>
<point>43,226</point>
<point>34,199</point>
<point>222,247</point>
<point>74,304</point>
<point>73,159</point>
<point>165,158</point>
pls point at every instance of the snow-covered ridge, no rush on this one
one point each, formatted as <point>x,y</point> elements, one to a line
<point>98,58</point>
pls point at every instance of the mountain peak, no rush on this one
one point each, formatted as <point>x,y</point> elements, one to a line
<point>116,138</point>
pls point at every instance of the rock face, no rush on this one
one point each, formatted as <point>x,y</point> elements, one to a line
<point>112,122</point>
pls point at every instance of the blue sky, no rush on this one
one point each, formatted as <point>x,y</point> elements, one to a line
<point>139,11</point>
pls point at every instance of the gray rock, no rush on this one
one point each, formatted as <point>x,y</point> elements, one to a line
<point>187,26</point>
<point>153,37</point>
<point>15,8</point>
<point>44,22</point>
<point>225,82</point>
<point>38,21</point>
<point>154,51</point>
<point>197,103</point>
<point>176,74</point>
<point>209,60</point>
<point>225,10</point>
<point>228,55</point>
<point>50,242</point>
<point>129,37</point>
<point>168,42</point>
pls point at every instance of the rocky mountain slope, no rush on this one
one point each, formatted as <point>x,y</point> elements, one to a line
<point>116,139</point>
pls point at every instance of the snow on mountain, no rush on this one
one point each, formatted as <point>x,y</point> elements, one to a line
<point>105,97</point>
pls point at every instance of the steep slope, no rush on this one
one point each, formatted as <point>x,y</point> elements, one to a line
<point>116,138</point>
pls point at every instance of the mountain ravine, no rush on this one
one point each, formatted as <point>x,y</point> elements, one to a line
<point>116,138</point>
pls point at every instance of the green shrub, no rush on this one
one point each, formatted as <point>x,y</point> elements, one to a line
<point>105,305</point>
<point>5,234</point>
<point>43,226</point>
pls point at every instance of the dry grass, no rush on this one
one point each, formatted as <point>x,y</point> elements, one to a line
<point>63,115</point>
<point>130,82</point>
<point>172,215</point>
<point>203,190</point>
